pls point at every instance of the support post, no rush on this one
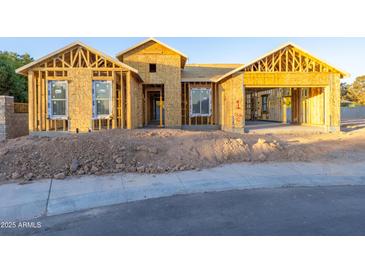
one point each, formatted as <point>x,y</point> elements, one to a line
<point>189,102</point>
<point>216,107</point>
<point>46,102</point>
<point>35,123</point>
<point>211,118</point>
<point>122,100</point>
<point>114,100</point>
<point>43,104</point>
<point>332,94</point>
<point>145,93</point>
<point>129,100</point>
<point>283,109</point>
<point>39,102</point>
<point>161,114</point>
<point>30,101</point>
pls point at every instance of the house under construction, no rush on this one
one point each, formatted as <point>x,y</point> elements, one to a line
<point>81,89</point>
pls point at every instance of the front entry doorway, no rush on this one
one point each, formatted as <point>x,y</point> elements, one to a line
<point>153,111</point>
<point>157,108</point>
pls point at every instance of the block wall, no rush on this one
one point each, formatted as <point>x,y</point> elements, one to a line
<point>12,124</point>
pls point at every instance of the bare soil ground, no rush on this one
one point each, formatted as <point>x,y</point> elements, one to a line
<point>167,150</point>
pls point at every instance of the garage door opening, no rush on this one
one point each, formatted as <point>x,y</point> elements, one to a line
<point>277,107</point>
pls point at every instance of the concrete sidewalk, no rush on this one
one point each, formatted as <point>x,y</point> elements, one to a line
<point>53,197</point>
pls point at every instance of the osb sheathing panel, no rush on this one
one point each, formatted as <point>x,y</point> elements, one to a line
<point>286,79</point>
<point>232,102</point>
<point>314,104</point>
<point>322,105</point>
<point>30,102</point>
<point>149,48</point>
<point>133,102</point>
<point>274,105</point>
<point>137,112</point>
<point>80,99</point>
<point>333,102</point>
<point>168,73</point>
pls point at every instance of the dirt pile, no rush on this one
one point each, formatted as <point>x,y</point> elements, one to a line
<point>149,151</point>
<point>158,151</point>
<point>262,149</point>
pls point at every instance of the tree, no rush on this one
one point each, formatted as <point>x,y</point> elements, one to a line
<point>356,91</point>
<point>13,84</point>
<point>344,90</point>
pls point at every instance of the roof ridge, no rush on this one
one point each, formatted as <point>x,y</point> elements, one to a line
<point>146,41</point>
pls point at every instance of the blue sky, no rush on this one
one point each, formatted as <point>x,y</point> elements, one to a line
<point>345,53</point>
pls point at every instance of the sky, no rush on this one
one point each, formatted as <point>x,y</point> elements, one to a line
<point>347,54</point>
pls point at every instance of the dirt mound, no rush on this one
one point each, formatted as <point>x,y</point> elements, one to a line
<point>262,149</point>
<point>165,150</point>
<point>150,151</point>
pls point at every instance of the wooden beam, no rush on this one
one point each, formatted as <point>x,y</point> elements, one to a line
<point>30,101</point>
<point>129,100</point>
<point>88,58</point>
<point>39,102</point>
<point>216,104</point>
<point>300,63</point>
<point>64,64</point>
<point>189,103</point>
<point>187,114</point>
<point>161,116</point>
<point>84,57</point>
<point>122,100</point>
<point>46,95</point>
<point>79,57</point>
<point>285,79</point>
<point>35,102</point>
<point>68,69</point>
<point>43,105</point>
<point>73,63</point>
<point>59,78</point>
<point>104,78</point>
<point>286,60</point>
<point>114,100</point>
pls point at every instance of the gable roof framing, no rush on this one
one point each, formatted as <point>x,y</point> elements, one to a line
<point>184,58</point>
<point>56,55</point>
<point>287,58</point>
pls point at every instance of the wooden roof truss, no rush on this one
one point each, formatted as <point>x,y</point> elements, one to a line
<point>78,57</point>
<point>289,59</point>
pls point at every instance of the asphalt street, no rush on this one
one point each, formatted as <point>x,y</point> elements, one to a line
<point>325,210</point>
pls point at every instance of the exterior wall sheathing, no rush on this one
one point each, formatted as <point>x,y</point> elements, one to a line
<point>168,73</point>
<point>80,99</point>
<point>232,103</point>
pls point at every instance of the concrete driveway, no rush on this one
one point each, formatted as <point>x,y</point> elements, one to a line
<point>54,197</point>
